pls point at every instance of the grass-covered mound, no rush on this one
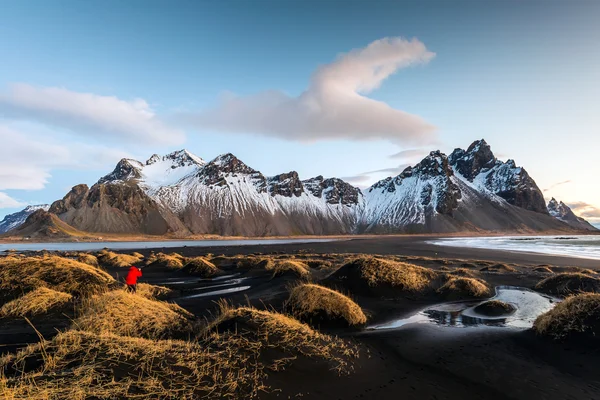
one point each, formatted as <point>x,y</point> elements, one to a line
<point>24,274</point>
<point>577,317</point>
<point>171,261</point>
<point>569,283</point>
<point>39,301</point>
<point>152,291</point>
<point>282,267</point>
<point>278,339</point>
<point>200,266</point>
<point>113,259</point>
<point>89,259</point>
<point>376,276</point>
<point>318,303</point>
<point>465,272</point>
<point>461,288</point>
<point>543,269</point>
<point>495,308</point>
<point>78,365</point>
<point>499,268</point>
<point>127,314</point>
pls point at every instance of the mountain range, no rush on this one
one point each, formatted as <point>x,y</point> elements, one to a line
<point>180,194</point>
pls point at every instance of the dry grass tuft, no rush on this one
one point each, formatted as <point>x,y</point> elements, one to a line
<point>465,272</point>
<point>568,283</point>
<point>201,267</point>
<point>122,313</point>
<point>576,317</point>
<point>112,259</point>
<point>152,291</point>
<point>79,365</point>
<point>499,268</point>
<point>36,302</point>
<point>137,255</point>
<point>87,259</point>
<point>172,261</point>
<point>404,276</point>
<point>310,300</point>
<point>279,338</point>
<point>282,267</point>
<point>464,288</point>
<point>544,270</point>
<point>19,275</point>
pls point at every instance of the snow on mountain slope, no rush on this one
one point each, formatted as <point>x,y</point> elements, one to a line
<point>564,213</point>
<point>14,220</point>
<point>478,166</point>
<point>413,197</point>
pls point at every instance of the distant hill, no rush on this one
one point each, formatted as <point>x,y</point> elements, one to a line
<point>12,221</point>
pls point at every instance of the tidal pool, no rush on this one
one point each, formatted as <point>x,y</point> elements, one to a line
<point>529,305</point>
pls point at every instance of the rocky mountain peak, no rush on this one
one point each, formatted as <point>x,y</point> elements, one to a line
<point>477,158</point>
<point>183,158</point>
<point>435,164</point>
<point>335,190</point>
<point>126,169</point>
<point>227,164</point>
<point>153,159</point>
<point>563,212</point>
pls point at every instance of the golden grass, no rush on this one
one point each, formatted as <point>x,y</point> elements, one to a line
<point>461,288</point>
<point>297,268</point>
<point>544,270</point>
<point>137,255</point>
<point>18,275</point>
<point>38,301</point>
<point>309,300</point>
<point>117,260</point>
<point>152,291</point>
<point>127,314</point>
<point>79,365</point>
<point>280,338</point>
<point>577,316</point>
<point>87,259</point>
<point>172,261</point>
<point>568,283</point>
<point>200,266</point>
<point>465,272</point>
<point>401,275</point>
<point>500,268</point>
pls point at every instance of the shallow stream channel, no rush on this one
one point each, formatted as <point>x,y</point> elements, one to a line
<point>527,304</point>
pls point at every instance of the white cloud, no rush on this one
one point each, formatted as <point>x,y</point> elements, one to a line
<point>8,202</point>
<point>87,114</point>
<point>333,106</point>
<point>27,160</point>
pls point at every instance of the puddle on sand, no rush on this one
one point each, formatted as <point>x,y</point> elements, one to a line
<point>218,292</point>
<point>529,305</point>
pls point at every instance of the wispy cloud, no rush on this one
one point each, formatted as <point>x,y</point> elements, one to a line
<point>334,105</point>
<point>27,160</point>
<point>554,186</point>
<point>87,114</point>
<point>584,209</point>
<point>8,202</point>
<point>411,154</point>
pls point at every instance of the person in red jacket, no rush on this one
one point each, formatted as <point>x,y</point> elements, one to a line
<point>132,277</point>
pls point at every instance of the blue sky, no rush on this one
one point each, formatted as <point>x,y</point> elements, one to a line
<point>85,83</point>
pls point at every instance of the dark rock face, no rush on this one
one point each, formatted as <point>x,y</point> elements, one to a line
<point>562,212</point>
<point>477,158</point>
<point>336,190</point>
<point>124,171</point>
<point>506,180</point>
<point>114,208</point>
<point>74,199</point>
<point>286,185</point>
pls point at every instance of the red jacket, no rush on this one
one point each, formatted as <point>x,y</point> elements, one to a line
<point>132,276</point>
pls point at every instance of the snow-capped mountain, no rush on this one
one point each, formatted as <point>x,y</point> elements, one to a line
<point>564,213</point>
<point>12,221</point>
<point>181,194</point>
<point>184,195</point>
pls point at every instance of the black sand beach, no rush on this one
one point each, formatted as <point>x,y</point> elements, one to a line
<point>416,361</point>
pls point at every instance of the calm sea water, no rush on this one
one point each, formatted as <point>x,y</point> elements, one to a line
<point>89,246</point>
<point>572,246</point>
